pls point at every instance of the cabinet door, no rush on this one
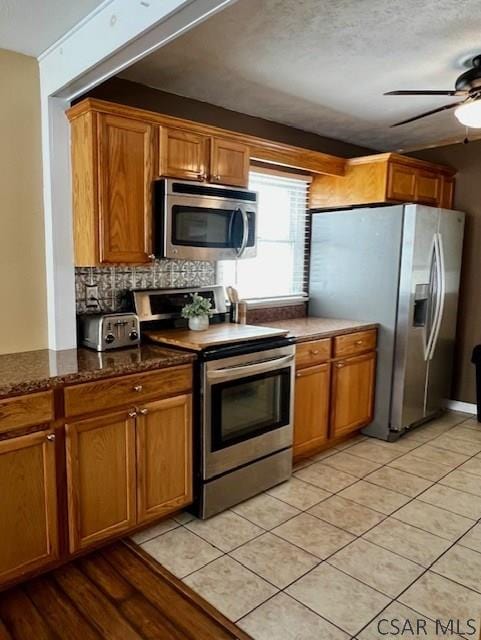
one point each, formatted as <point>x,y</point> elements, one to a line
<point>164,457</point>
<point>428,187</point>
<point>126,150</point>
<point>447,193</point>
<point>100,477</point>
<point>229,162</point>
<point>311,409</point>
<point>401,183</point>
<point>184,154</point>
<point>352,393</point>
<point>28,523</point>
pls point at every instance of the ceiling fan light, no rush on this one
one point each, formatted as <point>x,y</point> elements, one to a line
<point>469,114</point>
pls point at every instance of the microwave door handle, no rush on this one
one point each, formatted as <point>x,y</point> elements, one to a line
<point>245,232</point>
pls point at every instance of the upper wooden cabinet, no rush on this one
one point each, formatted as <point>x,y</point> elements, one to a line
<point>28,524</point>
<point>193,156</point>
<point>230,162</point>
<point>184,154</point>
<point>113,169</point>
<point>384,178</point>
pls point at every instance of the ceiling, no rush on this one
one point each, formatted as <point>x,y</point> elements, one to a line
<point>32,26</point>
<point>323,66</point>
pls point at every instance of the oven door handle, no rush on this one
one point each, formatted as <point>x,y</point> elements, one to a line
<point>230,373</point>
<point>245,232</point>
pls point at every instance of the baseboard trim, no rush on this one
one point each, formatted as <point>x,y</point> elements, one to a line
<point>464,407</point>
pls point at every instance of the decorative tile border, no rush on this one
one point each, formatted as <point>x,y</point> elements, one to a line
<point>116,281</point>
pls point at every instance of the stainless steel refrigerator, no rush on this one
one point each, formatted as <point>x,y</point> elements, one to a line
<point>398,266</point>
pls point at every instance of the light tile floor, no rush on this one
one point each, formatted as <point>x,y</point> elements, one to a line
<point>366,533</point>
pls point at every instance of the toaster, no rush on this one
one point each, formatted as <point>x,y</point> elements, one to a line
<point>105,331</point>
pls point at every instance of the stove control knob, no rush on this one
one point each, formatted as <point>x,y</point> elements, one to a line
<point>133,335</point>
<point>109,338</point>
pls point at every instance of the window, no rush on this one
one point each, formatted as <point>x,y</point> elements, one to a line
<point>279,269</point>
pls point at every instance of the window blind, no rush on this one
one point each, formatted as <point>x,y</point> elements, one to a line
<point>280,267</point>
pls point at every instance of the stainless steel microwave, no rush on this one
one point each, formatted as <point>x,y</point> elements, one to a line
<point>200,221</point>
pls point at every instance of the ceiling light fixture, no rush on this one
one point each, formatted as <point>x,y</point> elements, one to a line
<point>469,114</point>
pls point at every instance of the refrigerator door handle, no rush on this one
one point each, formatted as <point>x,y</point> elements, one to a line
<point>441,277</point>
<point>431,300</point>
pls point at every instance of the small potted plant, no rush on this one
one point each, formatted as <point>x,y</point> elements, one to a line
<point>197,312</point>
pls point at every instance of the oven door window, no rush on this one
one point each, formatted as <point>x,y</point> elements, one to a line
<point>248,407</point>
<point>210,227</point>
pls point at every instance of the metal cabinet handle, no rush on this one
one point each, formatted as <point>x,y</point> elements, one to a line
<point>340,364</point>
<point>51,437</point>
<point>315,352</point>
<point>151,256</point>
<point>359,341</point>
<point>132,413</point>
<point>143,412</point>
<point>138,388</point>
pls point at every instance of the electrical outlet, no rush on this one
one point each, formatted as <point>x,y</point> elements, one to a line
<point>92,296</point>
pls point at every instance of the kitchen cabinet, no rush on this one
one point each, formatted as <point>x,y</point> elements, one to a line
<point>184,154</point>
<point>334,389</point>
<point>193,156</point>
<point>28,524</point>
<point>113,169</point>
<point>128,466</point>
<point>101,477</point>
<point>164,456</point>
<point>385,178</point>
<point>311,414</point>
<point>352,402</point>
<point>230,162</point>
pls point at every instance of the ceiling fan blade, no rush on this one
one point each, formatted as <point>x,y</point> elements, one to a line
<point>425,93</point>
<point>427,113</point>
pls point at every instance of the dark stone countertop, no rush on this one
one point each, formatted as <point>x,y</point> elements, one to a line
<point>32,371</point>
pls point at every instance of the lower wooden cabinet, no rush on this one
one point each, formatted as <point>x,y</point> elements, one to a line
<point>352,393</point>
<point>101,477</point>
<point>334,395</point>
<point>128,467</point>
<point>164,457</point>
<point>311,415</point>
<point>28,523</point>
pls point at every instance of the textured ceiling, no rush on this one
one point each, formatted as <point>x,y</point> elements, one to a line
<point>323,66</point>
<point>31,26</point>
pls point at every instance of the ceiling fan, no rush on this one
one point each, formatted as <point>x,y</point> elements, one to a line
<point>468,86</point>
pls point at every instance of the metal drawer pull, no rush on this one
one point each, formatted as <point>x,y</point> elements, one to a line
<point>339,365</point>
<point>143,412</point>
<point>51,437</point>
<point>360,342</point>
<point>138,388</point>
<point>315,352</point>
<point>132,413</point>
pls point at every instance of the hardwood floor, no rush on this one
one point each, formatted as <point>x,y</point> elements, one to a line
<point>117,593</point>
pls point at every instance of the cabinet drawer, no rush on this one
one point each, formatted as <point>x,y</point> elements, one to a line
<point>313,352</point>
<point>126,390</point>
<point>25,411</point>
<point>353,343</point>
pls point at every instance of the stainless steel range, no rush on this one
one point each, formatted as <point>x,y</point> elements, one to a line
<point>244,400</point>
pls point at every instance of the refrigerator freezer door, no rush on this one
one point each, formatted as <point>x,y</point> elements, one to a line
<point>354,274</point>
<point>418,268</point>
<point>451,230</point>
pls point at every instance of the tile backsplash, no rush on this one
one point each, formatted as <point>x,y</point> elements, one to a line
<point>114,282</point>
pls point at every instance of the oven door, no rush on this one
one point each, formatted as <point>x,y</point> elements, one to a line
<point>248,408</point>
<point>209,228</point>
